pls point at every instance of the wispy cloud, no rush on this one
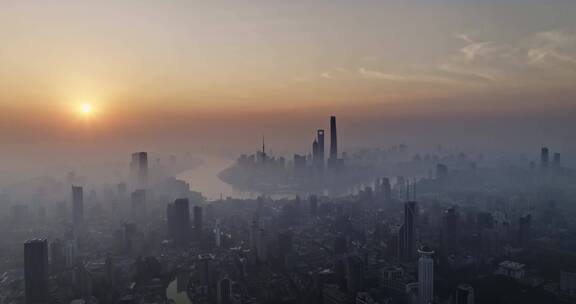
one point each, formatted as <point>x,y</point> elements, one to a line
<point>545,58</point>
<point>553,49</point>
<point>465,74</point>
<point>373,74</point>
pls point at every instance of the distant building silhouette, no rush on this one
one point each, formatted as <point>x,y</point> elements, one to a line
<point>320,137</point>
<point>544,157</point>
<point>299,163</point>
<point>77,206</point>
<point>557,160</point>
<point>449,231</point>
<point>318,150</point>
<point>384,189</point>
<point>441,171</point>
<point>57,257</point>
<point>197,222</point>
<point>178,216</point>
<point>408,231</point>
<point>139,169</point>
<point>138,205</point>
<point>333,139</point>
<point>36,271</point>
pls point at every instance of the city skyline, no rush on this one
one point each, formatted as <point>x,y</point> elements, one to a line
<point>288,152</point>
<point>108,73</point>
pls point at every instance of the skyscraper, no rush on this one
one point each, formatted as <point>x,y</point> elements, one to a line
<point>544,157</point>
<point>320,138</point>
<point>77,206</point>
<point>318,150</point>
<point>57,257</point>
<point>138,205</point>
<point>425,276</point>
<point>139,169</point>
<point>315,150</point>
<point>224,291</point>
<point>36,271</point>
<point>408,231</point>
<point>333,139</point>
<point>170,221</point>
<point>386,189</point>
<point>181,217</point>
<point>197,222</point>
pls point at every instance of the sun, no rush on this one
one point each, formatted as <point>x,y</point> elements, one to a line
<point>86,108</point>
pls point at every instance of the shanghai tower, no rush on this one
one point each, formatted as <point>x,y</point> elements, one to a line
<point>333,139</point>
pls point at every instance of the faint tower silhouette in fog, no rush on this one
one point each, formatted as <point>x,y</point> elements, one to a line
<point>557,160</point>
<point>315,150</point>
<point>425,276</point>
<point>333,139</point>
<point>36,271</point>
<point>320,136</point>
<point>544,157</point>
<point>261,155</point>
<point>138,205</point>
<point>198,222</point>
<point>318,150</point>
<point>57,257</point>
<point>441,171</point>
<point>313,205</point>
<point>77,206</point>
<point>139,169</point>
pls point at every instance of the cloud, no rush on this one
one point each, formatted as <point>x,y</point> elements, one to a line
<point>474,50</point>
<point>552,49</point>
<point>465,74</point>
<point>555,37</point>
<point>372,74</point>
<point>541,55</point>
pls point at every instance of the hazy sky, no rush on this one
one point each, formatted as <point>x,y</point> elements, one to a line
<point>153,70</point>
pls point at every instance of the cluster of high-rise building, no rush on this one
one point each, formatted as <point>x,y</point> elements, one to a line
<point>318,156</point>
<point>311,171</point>
<point>471,234</point>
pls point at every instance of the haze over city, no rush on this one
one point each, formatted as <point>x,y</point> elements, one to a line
<point>236,152</point>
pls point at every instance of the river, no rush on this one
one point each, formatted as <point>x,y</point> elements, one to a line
<point>204,179</point>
